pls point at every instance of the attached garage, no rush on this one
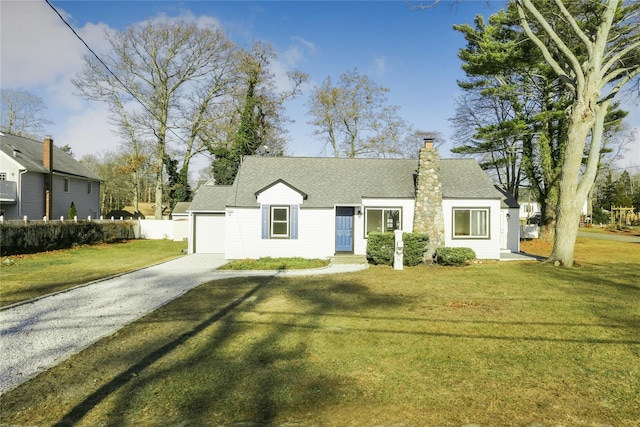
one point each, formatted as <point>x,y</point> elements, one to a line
<point>208,233</point>
<point>207,220</point>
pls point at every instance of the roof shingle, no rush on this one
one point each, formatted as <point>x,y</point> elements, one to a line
<point>330,181</point>
<point>29,153</point>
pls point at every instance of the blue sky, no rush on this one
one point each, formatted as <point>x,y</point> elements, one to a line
<point>413,53</point>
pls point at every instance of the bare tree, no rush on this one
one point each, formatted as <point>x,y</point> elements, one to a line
<point>160,79</point>
<point>354,118</point>
<point>22,113</point>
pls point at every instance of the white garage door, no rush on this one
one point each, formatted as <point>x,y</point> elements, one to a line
<point>209,233</point>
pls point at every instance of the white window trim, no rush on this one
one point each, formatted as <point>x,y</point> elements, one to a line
<point>272,235</point>
<point>67,185</point>
<point>89,188</point>
<point>474,209</point>
<point>383,209</point>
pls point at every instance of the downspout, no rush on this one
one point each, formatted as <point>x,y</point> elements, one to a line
<point>22,172</point>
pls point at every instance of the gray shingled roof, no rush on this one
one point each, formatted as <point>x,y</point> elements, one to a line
<point>329,181</point>
<point>29,153</point>
<point>180,208</point>
<point>464,179</point>
<point>210,198</point>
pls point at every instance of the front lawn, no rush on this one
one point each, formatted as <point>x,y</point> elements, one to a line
<point>33,275</point>
<point>493,343</point>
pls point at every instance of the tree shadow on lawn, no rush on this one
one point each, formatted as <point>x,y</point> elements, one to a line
<point>221,369</point>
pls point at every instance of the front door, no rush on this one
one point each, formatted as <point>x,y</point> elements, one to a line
<point>344,229</point>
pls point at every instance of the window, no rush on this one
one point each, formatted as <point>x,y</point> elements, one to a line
<point>280,222</point>
<point>471,223</point>
<point>89,188</point>
<point>3,176</point>
<point>382,220</point>
<point>66,185</point>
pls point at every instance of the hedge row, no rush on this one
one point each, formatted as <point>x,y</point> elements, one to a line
<point>380,248</point>
<point>45,236</point>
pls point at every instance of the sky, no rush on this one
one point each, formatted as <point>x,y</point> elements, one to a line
<point>411,52</point>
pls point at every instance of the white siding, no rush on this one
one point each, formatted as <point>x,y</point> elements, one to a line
<point>528,208</point>
<point>180,227</point>
<point>513,243</point>
<point>280,194</point>
<point>484,248</point>
<point>12,169</point>
<point>316,236</point>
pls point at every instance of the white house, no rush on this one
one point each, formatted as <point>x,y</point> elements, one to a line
<point>320,207</point>
<point>38,179</point>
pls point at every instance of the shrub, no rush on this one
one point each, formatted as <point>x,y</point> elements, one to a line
<point>20,238</point>
<point>454,256</point>
<point>72,211</point>
<point>380,248</point>
<point>415,245</point>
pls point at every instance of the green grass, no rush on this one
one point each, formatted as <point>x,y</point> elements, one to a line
<point>268,263</point>
<point>28,276</point>
<point>501,344</point>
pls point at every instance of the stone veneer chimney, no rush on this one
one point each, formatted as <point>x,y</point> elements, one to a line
<point>428,216</point>
<point>47,161</point>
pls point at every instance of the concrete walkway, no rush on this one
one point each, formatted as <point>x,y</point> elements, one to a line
<point>38,334</point>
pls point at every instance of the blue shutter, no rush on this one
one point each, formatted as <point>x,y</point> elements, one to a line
<point>294,222</point>
<point>265,221</point>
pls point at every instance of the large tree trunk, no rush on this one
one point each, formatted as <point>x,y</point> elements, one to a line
<point>158,195</point>
<point>571,192</point>
<point>159,177</point>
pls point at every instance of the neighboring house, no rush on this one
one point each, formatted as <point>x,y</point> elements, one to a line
<point>529,205</point>
<point>38,179</point>
<point>180,218</point>
<point>320,207</point>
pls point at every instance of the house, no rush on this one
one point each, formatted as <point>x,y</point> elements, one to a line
<point>529,205</point>
<point>38,179</point>
<point>320,207</point>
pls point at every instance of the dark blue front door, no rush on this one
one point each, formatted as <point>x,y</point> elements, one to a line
<point>344,229</point>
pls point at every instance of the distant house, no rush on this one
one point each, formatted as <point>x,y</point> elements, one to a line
<point>320,207</point>
<point>38,179</point>
<point>529,205</point>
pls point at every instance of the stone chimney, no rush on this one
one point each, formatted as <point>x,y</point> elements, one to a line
<point>428,215</point>
<point>47,161</point>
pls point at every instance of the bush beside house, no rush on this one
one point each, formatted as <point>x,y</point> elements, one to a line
<point>454,256</point>
<point>380,248</point>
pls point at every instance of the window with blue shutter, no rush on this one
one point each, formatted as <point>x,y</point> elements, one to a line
<point>279,222</point>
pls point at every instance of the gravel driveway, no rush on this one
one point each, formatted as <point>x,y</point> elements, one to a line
<point>41,333</point>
